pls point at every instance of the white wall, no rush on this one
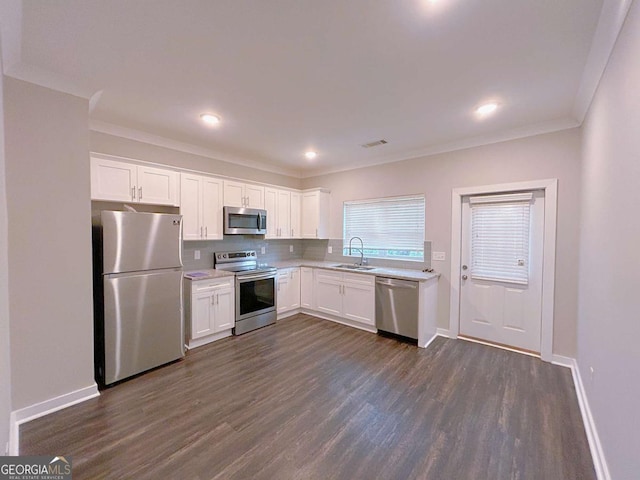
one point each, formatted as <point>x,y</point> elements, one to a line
<point>124,147</point>
<point>50,282</point>
<point>555,155</point>
<point>5,366</point>
<point>609,300</point>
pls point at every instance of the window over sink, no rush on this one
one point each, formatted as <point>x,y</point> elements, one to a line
<point>391,227</point>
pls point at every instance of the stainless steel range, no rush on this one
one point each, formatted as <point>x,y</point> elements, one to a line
<point>255,289</point>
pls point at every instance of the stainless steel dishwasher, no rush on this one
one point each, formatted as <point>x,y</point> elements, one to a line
<point>397,306</point>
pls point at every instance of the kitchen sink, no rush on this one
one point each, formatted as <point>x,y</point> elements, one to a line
<point>351,266</point>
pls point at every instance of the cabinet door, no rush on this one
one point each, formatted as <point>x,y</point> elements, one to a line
<point>294,288</point>
<point>113,181</point>
<point>224,318</point>
<point>306,288</point>
<point>296,205</point>
<point>271,206</point>
<point>284,213</point>
<point>310,212</point>
<point>328,292</point>
<point>157,186</point>
<point>284,291</point>
<point>212,208</point>
<point>233,194</point>
<point>359,301</point>
<point>190,206</point>
<point>202,314</point>
<point>255,196</point>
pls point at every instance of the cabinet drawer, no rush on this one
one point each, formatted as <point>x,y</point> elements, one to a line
<point>359,279</point>
<point>204,285</point>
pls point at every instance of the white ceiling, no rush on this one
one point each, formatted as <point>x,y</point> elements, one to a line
<point>329,75</point>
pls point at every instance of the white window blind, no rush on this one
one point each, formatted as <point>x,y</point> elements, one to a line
<point>389,227</point>
<point>500,226</point>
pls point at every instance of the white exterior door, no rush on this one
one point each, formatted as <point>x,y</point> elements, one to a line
<point>501,274</point>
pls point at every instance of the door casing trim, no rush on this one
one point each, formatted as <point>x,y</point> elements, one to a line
<point>550,187</point>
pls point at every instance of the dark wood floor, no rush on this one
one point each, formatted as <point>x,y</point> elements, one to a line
<point>311,399</point>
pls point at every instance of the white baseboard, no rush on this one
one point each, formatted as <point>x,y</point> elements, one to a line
<point>563,361</point>
<point>597,453</point>
<point>26,414</point>
<point>428,342</point>
<point>443,332</point>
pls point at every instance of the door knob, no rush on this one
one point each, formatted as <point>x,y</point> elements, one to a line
<point>464,277</point>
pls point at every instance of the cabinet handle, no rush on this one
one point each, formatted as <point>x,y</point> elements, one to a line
<point>213,301</point>
<point>316,233</point>
<point>292,233</point>
<point>139,193</point>
<point>200,232</point>
<point>133,192</point>
<point>206,232</point>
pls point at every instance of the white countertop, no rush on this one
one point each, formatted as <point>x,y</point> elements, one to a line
<point>207,274</point>
<point>399,273</point>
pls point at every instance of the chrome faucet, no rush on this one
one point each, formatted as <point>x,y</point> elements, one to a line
<point>361,249</point>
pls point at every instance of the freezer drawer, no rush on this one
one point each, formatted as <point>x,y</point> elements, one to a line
<point>397,306</point>
<point>143,322</point>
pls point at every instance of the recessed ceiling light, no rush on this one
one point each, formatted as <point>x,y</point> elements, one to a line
<point>310,155</point>
<point>486,109</point>
<point>210,118</point>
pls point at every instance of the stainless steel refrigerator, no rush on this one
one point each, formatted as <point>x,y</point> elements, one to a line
<point>137,293</point>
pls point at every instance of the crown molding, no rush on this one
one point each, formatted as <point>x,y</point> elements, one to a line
<point>612,17</point>
<point>159,141</point>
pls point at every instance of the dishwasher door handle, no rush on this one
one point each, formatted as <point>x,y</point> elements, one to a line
<point>392,284</point>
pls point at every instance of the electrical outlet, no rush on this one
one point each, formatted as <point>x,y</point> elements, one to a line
<point>290,248</point>
<point>196,255</point>
<point>263,250</point>
<point>438,256</point>
<point>329,249</point>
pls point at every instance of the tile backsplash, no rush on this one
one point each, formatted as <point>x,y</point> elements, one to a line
<point>278,250</point>
<point>275,249</point>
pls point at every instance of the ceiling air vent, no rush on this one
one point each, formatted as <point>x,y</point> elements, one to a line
<point>374,144</point>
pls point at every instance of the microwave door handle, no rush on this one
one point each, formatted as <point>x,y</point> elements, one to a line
<point>259,220</point>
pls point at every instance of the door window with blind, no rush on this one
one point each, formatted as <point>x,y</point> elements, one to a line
<point>500,237</point>
<point>390,227</point>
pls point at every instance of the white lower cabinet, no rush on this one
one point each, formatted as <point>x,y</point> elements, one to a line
<point>306,288</point>
<point>288,296</point>
<point>209,310</point>
<point>347,295</point>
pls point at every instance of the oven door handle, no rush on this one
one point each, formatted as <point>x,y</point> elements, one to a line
<point>256,277</point>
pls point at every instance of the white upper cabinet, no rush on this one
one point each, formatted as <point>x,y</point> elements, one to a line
<point>279,206</point>
<point>157,186</point>
<point>315,214</point>
<point>237,194</point>
<point>201,207</point>
<point>296,206</point>
<point>116,181</point>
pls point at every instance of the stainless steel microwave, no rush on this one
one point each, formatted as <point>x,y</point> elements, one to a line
<point>244,221</point>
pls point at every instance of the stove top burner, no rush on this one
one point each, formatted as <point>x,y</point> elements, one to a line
<point>244,262</point>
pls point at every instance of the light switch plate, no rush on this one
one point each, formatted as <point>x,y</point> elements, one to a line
<point>290,248</point>
<point>329,249</point>
<point>438,256</point>
<point>263,250</point>
<point>196,255</point>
